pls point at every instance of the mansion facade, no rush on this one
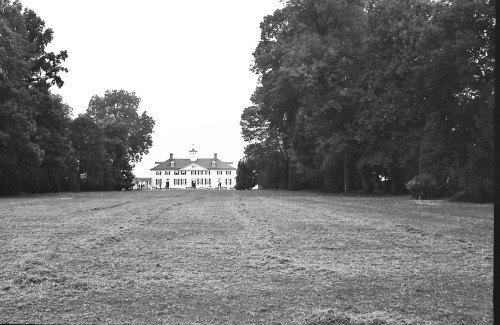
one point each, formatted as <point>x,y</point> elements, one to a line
<point>182,173</point>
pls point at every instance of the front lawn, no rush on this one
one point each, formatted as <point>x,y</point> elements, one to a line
<point>243,257</point>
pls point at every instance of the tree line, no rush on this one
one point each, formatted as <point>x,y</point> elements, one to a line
<point>393,95</point>
<point>42,148</point>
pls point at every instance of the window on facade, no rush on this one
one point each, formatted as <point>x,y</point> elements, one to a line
<point>228,172</point>
<point>213,163</point>
<point>167,172</point>
<point>176,172</point>
<point>172,164</point>
<point>158,172</point>
<point>219,172</point>
<point>183,172</point>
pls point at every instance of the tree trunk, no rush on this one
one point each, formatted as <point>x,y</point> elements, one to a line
<point>287,172</point>
<point>346,176</point>
<point>395,180</point>
<point>365,181</point>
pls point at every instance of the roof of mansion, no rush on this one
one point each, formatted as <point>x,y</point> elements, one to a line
<point>202,162</point>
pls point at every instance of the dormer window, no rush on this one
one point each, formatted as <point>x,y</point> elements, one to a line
<point>172,164</point>
<point>213,163</point>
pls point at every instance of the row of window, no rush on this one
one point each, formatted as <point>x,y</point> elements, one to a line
<point>199,181</point>
<point>193,172</point>
<point>200,172</point>
<point>203,181</point>
<point>180,181</point>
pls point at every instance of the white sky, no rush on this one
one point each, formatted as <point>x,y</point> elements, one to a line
<point>188,61</point>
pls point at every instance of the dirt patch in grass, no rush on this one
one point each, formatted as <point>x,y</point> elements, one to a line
<point>244,257</point>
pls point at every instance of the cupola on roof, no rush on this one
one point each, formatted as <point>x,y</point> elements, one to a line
<point>192,155</point>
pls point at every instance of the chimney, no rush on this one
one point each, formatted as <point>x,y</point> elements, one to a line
<point>215,156</point>
<point>171,156</point>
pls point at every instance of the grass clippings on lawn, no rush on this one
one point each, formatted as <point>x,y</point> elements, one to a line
<point>243,257</point>
<point>334,317</point>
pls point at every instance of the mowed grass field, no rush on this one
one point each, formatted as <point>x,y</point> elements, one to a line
<point>243,257</point>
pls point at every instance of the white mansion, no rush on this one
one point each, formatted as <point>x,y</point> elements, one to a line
<point>193,173</point>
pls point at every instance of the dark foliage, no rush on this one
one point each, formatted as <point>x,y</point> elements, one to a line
<point>109,139</point>
<point>423,186</point>
<point>41,148</point>
<point>365,95</point>
<point>245,176</point>
<point>35,149</point>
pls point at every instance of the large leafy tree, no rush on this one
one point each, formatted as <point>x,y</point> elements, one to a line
<point>395,94</point>
<point>45,66</point>
<point>430,61</point>
<point>41,149</point>
<point>93,166</point>
<point>127,135</point>
<point>57,166</point>
<point>374,92</point>
<point>27,134</point>
<point>303,49</point>
<point>245,176</point>
<point>266,150</point>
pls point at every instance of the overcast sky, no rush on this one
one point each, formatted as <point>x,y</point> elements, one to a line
<point>188,61</point>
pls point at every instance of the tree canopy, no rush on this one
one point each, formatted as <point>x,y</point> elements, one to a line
<point>35,150</point>
<point>116,135</point>
<point>42,149</point>
<point>369,94</point>
<point>245,176</point>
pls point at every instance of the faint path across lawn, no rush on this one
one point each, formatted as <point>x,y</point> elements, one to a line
<point>242,257</point>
